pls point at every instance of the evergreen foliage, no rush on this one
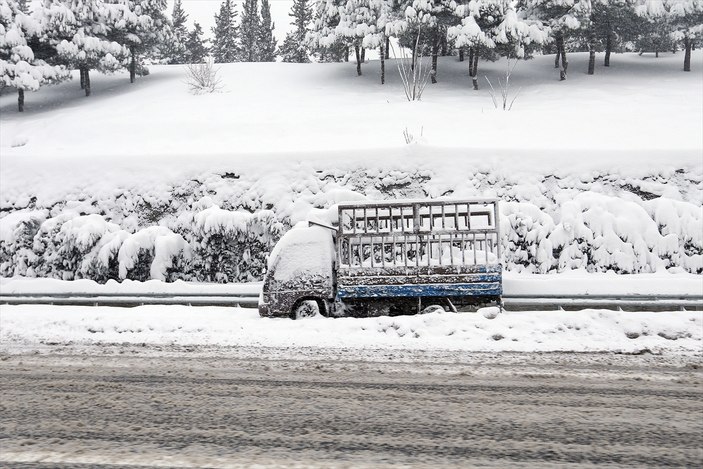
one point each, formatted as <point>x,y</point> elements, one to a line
<point>295,46</point>
<point>249,29</point>
<point>19,67</point>
<point>266,41</point>
<point>196,48</point>
<point>225,45</point>
<point>177,53</point>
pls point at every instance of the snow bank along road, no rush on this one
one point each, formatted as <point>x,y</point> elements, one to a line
<point>541,410</point>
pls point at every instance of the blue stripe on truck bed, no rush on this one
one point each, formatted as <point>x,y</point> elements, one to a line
<point>434,290</point>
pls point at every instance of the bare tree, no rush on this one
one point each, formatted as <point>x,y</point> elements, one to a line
<point>504,89</point>
<point>412,72</point>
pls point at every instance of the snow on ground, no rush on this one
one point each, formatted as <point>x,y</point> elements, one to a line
<point>23,327</point>
<point>638,104</point>
<point>576,282</point>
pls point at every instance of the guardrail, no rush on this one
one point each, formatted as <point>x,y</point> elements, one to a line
<point>250,300</point>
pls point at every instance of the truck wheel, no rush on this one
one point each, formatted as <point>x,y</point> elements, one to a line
<point>306,309</point>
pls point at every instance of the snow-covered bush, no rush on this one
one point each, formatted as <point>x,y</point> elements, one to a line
<point>220,227</point>
<point>155,252</point>
<point>229,246</point>
<point>17,231</point>
<point>525,230</point>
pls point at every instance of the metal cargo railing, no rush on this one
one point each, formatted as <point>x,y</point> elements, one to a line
<point>414,234</point>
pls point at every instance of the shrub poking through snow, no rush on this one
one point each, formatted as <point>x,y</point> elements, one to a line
<point>202,78</point>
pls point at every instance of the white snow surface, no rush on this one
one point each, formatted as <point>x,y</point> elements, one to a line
<point>23,327</point>
<point>639,104</point>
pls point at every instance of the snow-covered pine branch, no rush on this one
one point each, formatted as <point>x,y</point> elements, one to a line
<point>19,67</point>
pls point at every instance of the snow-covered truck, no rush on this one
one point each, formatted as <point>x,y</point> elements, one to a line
<point>387,258</point>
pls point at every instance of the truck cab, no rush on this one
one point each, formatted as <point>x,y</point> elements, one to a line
<point>390,257</point>
<point>300,278</point>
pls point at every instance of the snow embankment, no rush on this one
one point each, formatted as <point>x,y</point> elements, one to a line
<point>27,327</point>
<point>577,282</point>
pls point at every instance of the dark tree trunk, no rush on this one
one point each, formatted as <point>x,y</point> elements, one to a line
<point>87,82</point>
<point>357,53</point>
<point>363,55</point>
<point>132,65</point>
<point>474,77</point>
<point>656,53</point>
<point>461,55</point>
<point>443,43</point>
<point>81,72</point>
<point>414,59</point>
<point>591,52</point>
<point>346,53</point>
<point>560,60</point>
<point>471,61</point>
<point>687,45</point>
<point>20,100</point>
<point>383,62</point>
<point>387,48</point>
<point>608,48</point>
<point>435,51</point>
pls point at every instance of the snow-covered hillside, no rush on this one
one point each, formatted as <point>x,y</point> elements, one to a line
<point>145,181</point>
<point>638,103</point>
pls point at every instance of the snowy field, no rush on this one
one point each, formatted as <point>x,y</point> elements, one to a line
<point>26,328</point>
<point>639,104</point>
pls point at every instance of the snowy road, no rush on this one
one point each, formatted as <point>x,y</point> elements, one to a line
<point>517,410</point>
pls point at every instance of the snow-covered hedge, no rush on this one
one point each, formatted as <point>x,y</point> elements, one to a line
<point>219,227</point>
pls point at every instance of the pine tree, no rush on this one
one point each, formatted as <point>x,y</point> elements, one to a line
<point>295,47</point>
<point>249,32</point>
<point>323,39</point>
<point>19,68</point>
<point>91,46</point>
<point>176,52</point>
<point>496,26</point>
<point>144,30</point>
<point>266,40</point>
<point>196,50</point>
<point>225,47</point>
<point>363,24</point>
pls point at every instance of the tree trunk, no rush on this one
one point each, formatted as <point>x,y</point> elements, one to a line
<point>656,53</point>
<point>363,55</point>
<point>471,61</point>
<point>608,47</point>
<point>591,52</point>
<point>346,53</point>
<point>560,60</point>
<point>435,52</point>
<point>461,55</point>
<point>87,82</point>
<point>474,78</point>
<point>687,54</point>
<point>81,72</point>
<point>132,65</point>
<point>414,59</point>
<point>20,100</point>
<point>357,53</point>
<point>388,48</point>
<point>383,62</point>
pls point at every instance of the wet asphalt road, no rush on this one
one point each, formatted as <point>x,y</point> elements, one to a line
<point>106,412</point>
